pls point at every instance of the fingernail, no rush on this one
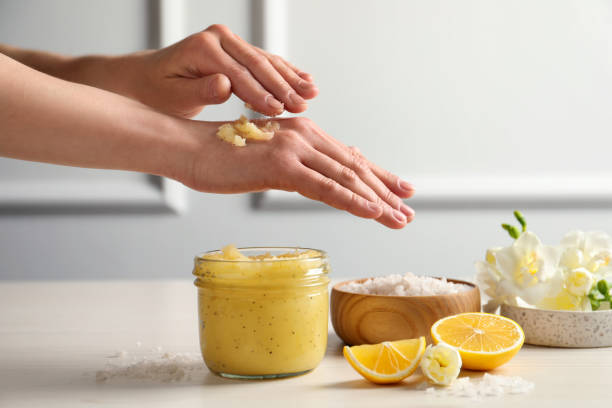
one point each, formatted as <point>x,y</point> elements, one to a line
<point>306,76</point>
<point>373,206</point>
<point>273,103</point>
<point>404,185</point>
<point>399,216</point>
<point>296,99</point>
<point>305,84</point>
<point>409,212</point>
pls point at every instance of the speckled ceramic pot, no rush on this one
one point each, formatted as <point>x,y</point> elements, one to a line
<point>561,328</point>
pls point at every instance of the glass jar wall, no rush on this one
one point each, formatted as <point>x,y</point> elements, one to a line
<point>263,312</point>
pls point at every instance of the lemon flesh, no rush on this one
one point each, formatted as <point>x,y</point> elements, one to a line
<point>484,341</point>
<point>386,362</point>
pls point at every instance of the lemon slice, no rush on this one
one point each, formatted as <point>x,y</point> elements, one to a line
<point>484,341</point>
<point>386,362</point>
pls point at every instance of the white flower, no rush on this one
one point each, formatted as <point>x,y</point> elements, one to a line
<point>585,259</point>
<point>590,250</point>
<point>579,282</point>
<point>527,270</point>
<point>529,273</point>
<point>488,277</point>
<point>441,364</point>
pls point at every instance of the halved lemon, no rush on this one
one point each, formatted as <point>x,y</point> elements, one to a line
<point>484,341</point>
<point>386,362</point>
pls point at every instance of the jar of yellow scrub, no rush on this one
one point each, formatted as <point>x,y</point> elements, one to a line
<point>263,312</point>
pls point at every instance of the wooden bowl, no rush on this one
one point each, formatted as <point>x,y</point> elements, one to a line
<point>368,319</point>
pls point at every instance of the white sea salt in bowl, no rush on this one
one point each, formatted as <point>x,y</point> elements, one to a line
<point>562,328</point>
<point>372,310</point>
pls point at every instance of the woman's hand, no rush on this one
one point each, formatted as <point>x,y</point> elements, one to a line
<point>45,119</point>
<point>206,67</point>
<point>303,158</point>
<point>202,69</point>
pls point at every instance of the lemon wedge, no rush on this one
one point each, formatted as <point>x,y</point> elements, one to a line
<point>484,341</point>
<point>386,362</point>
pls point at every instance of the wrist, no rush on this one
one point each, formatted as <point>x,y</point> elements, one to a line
<point>184,148</point>
<point>92,70</point>
<point>122,74</point>
<point>129,74</point>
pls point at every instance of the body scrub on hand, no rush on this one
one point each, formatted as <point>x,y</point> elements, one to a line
<point>263,312</point>
<point>239,131</point>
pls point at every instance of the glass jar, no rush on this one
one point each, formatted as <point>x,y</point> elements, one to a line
<point>264,315</point>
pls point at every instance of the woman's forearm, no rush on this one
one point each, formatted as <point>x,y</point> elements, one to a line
<point>49,120</point>
<point>49,63</point>
<point>118,74</point>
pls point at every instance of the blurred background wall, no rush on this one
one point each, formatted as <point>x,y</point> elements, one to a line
<point>486,106</point>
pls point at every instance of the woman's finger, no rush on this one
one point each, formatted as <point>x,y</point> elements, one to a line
<point>400,187</point>
<point>299,72</point>
<point>306,89</point>
<point>316,186</point>
<point>348,178</point>
<point>404,210</point>
<point>330,168</point>
<point>354,160</point>
<point>262,69</point>
<point>393,218</point>
<point>247,88</point>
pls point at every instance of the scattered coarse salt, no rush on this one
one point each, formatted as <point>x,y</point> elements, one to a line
<point>119,354</point>
<point>407,285</point>
<point>489,385</point>
<point>156,367</point>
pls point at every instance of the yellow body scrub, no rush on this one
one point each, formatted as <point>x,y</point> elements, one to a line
<point>263,312</point>
<point>239,131</point>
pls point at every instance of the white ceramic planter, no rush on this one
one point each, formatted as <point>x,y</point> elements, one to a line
<point>561,328</point>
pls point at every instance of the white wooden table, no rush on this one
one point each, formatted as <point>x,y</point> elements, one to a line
<point>55,336</point>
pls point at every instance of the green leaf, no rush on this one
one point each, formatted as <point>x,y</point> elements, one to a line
<point>595,303</point>
<point>521,219</point>
<point>603,288</point>
<point>512,230</point>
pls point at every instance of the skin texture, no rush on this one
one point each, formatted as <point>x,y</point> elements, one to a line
<point>98,116</point>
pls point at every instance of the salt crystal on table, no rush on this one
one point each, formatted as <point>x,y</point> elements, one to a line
<point>489,385</point>
<point>156,365</point>
<point>167,367</point>
<point>119,354</point>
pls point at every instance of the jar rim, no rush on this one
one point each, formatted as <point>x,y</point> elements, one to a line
<point>320,255</point>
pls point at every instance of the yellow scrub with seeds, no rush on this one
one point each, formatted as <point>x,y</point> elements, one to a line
<point>263,312</point>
